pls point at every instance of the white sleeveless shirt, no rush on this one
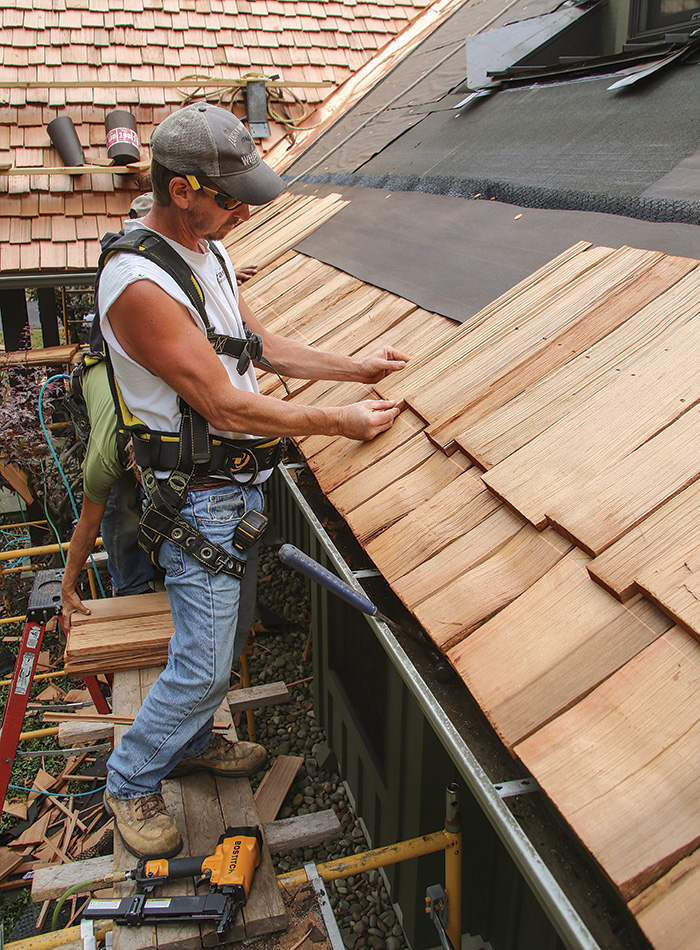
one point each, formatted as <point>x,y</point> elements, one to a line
<point>147,396</point>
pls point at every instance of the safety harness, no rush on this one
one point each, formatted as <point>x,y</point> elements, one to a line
<point>193,452</point>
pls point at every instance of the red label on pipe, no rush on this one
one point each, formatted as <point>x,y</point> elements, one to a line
<point>116,136</point>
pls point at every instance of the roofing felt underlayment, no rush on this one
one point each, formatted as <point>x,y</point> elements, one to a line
<point>454,256</point>
<point>565,137</point>
<point>571,135</point>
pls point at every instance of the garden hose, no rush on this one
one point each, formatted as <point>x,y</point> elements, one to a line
<point>116,878</point>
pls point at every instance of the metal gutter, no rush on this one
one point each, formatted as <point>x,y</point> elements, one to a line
<point>36,279</point>
<point>544,886</point>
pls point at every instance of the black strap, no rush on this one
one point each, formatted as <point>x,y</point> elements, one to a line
<point>152,246</point>
<point>228,457</point>
<point>159,523</point>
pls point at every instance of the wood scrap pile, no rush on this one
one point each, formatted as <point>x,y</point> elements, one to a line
<point>53,830</point>
<point>58,820</point>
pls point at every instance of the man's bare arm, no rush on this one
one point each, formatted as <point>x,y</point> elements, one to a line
<point>81,544</point>
<point>160,334</point>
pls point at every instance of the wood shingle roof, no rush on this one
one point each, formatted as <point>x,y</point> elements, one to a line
<point>535,506</point>
<point>84,59</point>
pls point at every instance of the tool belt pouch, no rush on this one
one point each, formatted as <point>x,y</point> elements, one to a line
<point>160,524</point>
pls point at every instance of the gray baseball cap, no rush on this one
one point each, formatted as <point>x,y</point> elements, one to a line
<point>206,140</point>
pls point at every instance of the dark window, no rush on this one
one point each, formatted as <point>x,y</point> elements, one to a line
<point>652,19</point>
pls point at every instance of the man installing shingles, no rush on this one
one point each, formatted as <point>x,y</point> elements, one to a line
<point>205,173</point>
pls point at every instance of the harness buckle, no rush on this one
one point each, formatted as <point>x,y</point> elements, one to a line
<point>178,481</point>
<point>223,562</point>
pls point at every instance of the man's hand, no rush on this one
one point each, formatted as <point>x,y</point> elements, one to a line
<point>245,273</point>
<point>364,420</point>
<point>71,603</point>
<point>380,364</point>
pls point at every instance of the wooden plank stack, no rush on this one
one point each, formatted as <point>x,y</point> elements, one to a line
<point>121,633</point>
<point>271,231</point>
<point>535,507</point>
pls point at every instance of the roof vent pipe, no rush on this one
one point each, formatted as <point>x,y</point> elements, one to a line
<point>65,140</point>
<point>122,140</point>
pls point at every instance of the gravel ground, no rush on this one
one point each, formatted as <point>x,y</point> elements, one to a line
<point>361,903</point>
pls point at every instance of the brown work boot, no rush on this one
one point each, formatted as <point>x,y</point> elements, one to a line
<point>223,757</point>
<point>146,828</point>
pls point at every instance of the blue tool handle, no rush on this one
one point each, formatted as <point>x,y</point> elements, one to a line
<point>301,562</point>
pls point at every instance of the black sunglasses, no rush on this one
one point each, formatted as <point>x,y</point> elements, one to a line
<point>226,202</point>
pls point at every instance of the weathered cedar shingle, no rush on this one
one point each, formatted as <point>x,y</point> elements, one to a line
<point>141,40</point>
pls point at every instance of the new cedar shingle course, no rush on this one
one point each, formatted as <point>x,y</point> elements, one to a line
<point>598,699</point>
<point>135,41</point>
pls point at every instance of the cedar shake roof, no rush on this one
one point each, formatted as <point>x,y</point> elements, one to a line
<point>535,508</point>
<point>53,221</point>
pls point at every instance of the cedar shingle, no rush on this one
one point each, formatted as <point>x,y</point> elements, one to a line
<point>73,205</point>
<point>94,204</point>
<point>91,18</point>
<point>41,228</point>
<point>50,204</point>
<point>189,56</point>
<point>9,260</point>
<point>18,184</point>
<point>85,227</point>
<point>171,56</point>
<point>52,255</point>
<point>153,55</point>
<point>61,183</point>
<point>310,25</point>
<point>67,230</point>
<point>20,230</point>
<point>76,254</point>
<point>105,224</point>
<point>57,98</point>
<point>69,20</point>
<point>15,18</point>
<point>30,205</point>
<point>40,183</point>
<point>14,57</point>
<point>29,256</point>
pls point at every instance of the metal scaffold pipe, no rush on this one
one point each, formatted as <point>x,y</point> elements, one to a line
<point>371,860</point>
<point>453,864</point>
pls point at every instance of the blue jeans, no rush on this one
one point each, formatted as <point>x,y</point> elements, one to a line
<point>176,718</point>
<point>129,567</point>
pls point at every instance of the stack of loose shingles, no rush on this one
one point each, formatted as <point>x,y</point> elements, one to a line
<point>123,633</point>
